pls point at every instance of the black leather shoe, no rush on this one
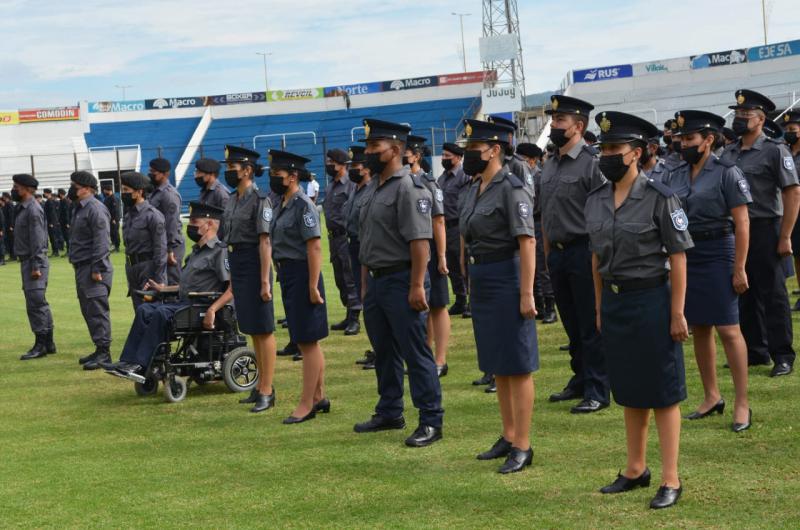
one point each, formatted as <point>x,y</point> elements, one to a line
<point>516,460</point>
<point>623,483</point>
<point>563,348</point>
<point>380,423</point>
<point>87,358</point>
<point>492,388</point>
<point>587,406</point>
<point>467,313</point>
<point>739,427</point>
<point>567,394</point>
<point>129,368</point>
<point>353,328</point>
<point>666,497</point>
<point>263,402</point>
<point>719,408</point>
<point>485,380</point>
<point>341,326</point>
<point>369,356</point>
<point>424,436</point>
<point>49,345</point>
<point>251,398</point>
<point>323,405</point>
<point>369,365</point>
<point>500,449</point>
<point>281,321</point>
<point>37,351</point>
<point>291,420</point>
<point>442,370</point>
<point>781,369</point>
<point>297,357</point>
<point>94,364</point>
<point>458,307</point>
<point>290,349</point>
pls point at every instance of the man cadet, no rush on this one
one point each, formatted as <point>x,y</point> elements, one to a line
<point>31,249</point>
<point>673,156</point>
<point>453,181</point>
<point>394,229</point>
<point>8,212</point>
<point>206,175</point>
<point>89,250</point>
<point>53,226</point>
<point>770,172</point>
<point>336,193</point>
<point>167,200</point>
<point>791,126</point>
<point>64,215</point>
<point>567,179</point>
<point>112,203</point>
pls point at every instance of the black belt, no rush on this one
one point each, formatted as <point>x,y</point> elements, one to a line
<point>385,271</point>
<point>561,245</point>
<point>336,232</point>
<point>135,259</point>
<point>623,286</point>
<point>452,223</point>
<point>281,262</point>
<point>496,257</point>
<point>238,247</point>
<point>708,235</point>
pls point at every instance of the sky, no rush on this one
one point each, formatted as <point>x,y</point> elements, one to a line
<point>57,52</point>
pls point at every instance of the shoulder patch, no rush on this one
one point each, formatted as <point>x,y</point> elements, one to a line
<point>515,181</point>
<point>524,209</point>
<point>679,220</point>
<point>227,265</point>
<point>788,163</point>
<point>439,195</point>
<point>661,188</point>
<point>424,206</point>
<point>266,214</point>
<point>744,186</point>
<point>417,181</point>
<point>309,220</point>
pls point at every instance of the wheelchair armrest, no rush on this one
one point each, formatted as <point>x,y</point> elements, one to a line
<point>156,295</point>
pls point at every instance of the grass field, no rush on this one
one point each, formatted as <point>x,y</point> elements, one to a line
<point>81,449</point>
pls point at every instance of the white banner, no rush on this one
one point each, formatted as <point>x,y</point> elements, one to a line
<point>662,67</point>
<point>501,99</point>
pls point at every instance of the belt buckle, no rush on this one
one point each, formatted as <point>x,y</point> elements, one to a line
<point>615,288</point>
<point>472,260</point>
<point>230,248</point>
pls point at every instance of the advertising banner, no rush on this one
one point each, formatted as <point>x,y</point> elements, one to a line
<point>9,117</point>
<point>465,78</point>
<point>299,93</point>
<point>235,99</point>
<point>116,106</point>
<point>604,73</point>
<point>662,67</point>
<point>51,114</point>
<point>173,103</point>
<point>405,84</point>
<point>500,100</point>
<point>774,51</point>
<point>353,90</point>
<point>728,57</point>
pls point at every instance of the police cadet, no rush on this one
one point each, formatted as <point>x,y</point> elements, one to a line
<point>167,200</point>
<point>112,203</point>
<point>639,236</point>
<point>791,126</point>
<point>336,194</point>
<point>31,249</point>
<point>567,179</point>
<point>360,176</point>
<point>651,164</point>
<point>206,175</point>
<point>673,146</point>
<point>247,227</point>
<point>453,182</point>
<point>770,172</point>
<point>9,212</point>
<point>394,229</point>
<point>297,255</point>
<point>89,250</point>
<point>145,237</point>
<point>53,226</point>
<point>714,196</point>
<point>497,225</point>
<point>542,286</point>
<point>438,317</point>
<point>64,215</point>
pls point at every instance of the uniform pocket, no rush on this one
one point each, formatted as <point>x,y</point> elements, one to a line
<point>566,184</point>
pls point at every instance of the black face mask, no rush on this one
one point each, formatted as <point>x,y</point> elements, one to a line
<point>473,163</point>
<point>200,182</point>
<point>276,184</point>
<point>15,196</point>
<point>153,181</point>
<point>127,199</point>
<point>790,137</point>
<point>355,176</point>
<point>559,137</point>
<point>72,194</point>
<point>193,233</point>
<point>330,170</point>
<point>740,126</point>
<point>613,167</point>
<point>447,164</point>
<point>676,147</point>
<point>406,161</point>
<point>232,178</point>
<point>373,162</point>
<point>692,154</point>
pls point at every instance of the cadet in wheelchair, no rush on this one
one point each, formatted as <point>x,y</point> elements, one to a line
<point>205,270</point>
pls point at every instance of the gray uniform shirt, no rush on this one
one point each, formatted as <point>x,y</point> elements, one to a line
<point>437,207</point>
<point>453,185</point>
<point>710,197</point>
<point>247,217</point>
<point>336,194</point>
<point>672,161</point>
<point>537,191</point>
<point>206,269</point>
<point>144,232</point>
<point>520,167</point>
<point>768,168</point>
<point>215,195</point>
<point>635,240</point>
<point>491,221</point>
<point>352,208</point>
<point>659,171</point>
<point>392,215</point>
<point>167,200</point>
<point>566,182</point>
<point>30,243</point>
<point>88,237</point>
<point>292,225</point>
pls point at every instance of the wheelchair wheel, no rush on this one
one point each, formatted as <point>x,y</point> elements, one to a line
<point>239,370</point>
<point>148,388</point>
<point>175,389</point>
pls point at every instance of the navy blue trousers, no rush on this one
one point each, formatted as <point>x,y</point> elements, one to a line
<point>149,329</point>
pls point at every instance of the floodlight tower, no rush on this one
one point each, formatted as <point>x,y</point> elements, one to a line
<point>501,17</point>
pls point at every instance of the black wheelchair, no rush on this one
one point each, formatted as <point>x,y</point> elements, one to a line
<point>191,353</point>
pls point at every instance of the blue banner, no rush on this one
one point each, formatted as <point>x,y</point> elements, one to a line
<point>235,99</point>
<point>173,103</point>
<point>116,106</point>
<point>405,84</point>
<point>353,90</point>
<point>726,58</point>
<point>774,51</point>
<point>604,73</point>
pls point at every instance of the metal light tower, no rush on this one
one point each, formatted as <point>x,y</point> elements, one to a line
<point>501,17</point>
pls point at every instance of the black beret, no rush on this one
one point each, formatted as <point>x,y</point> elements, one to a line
<point>620,127</point>
<point>62,191</point>
<point>453,148</point>
<point>688,121</point>
<point>47,190</point>
<point>529,150</point>
<point>107,185</point>
<point>569,105</point>
<point>338,155</point>
<point>207,165</point>
<point>752,100</point>
<point>285,160</point>
<point>135,180</point>
<point>385,130</point>
<point>161,165</point>
<point>23,179</point>
<point>84,178</point>
<point>204,211</point>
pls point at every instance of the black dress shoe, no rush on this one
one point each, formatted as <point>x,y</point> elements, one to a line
<point>485,380</point>
<point>123,367</point>
<point>739,427</point>
<point>323,405</point>
<point>587,406</point>
<point>263,402</point>
<point>500,449</point>
<point>297,357</point>
<point>369,365</point>
<point>563,348</point>
<point>37,351</point>
<point>666,497</point>
<point>467,313</point>
<point>291,420</point>
<point>380,423</point>
<point>87,358</point>
<point>567,394</point>
<point>281,321</point>
<point>251,398</point>
<point>781,369</point>
<point>623,483</point>
<point>719,408</point>
<point>516,460</point>
<point>441,371</point>
<point>458,307</point>
<point>424,436</point>
<point>94,364</point>
<point>341,326</point>
<point>369,356</point>
<point>290,349</point>
<point>492,388</point>
<point>353,328</point>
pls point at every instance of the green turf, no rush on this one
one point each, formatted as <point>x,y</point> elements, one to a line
<point>82,450</point>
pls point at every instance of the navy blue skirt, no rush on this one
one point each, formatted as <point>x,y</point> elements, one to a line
<point>307,322</point>
<point>440,289</point>
<point>507,343</point>
<point>710,297</point>
<point>645,366</point>
<point>255,316</point>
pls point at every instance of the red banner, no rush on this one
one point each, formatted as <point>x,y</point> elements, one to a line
<point>465,78</point>
<point>51,114</point>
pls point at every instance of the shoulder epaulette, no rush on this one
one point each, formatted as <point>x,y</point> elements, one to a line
<point>661,188</point>
<point>515,181</point>
<point>417,181</point>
